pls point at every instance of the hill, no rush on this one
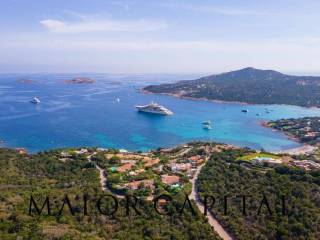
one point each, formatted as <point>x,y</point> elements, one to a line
<point>236,173</point>
<point>248,85</point>
<point>47,174</point>
<point>230,171</point>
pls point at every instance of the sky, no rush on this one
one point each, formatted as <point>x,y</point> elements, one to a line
<point>162,36</point>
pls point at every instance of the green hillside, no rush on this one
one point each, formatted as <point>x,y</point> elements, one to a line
<point>248,85</point>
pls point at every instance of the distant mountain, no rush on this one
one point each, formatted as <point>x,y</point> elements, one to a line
<point>248,85</point>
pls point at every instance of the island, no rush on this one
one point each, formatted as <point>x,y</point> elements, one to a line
<point>248,85</point>
<point>26,81</point>
<point>280,192</point>
<point>80,80</point>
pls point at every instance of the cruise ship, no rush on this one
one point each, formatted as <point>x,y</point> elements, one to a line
<point>154,108</point>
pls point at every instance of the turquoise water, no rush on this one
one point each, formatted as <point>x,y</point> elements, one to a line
<point>89,115</point>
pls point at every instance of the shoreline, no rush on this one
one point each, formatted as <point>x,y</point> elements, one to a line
<point>288,135</point>
<point>304,149</point>
<point>222,101</point>
<point>196,99</point>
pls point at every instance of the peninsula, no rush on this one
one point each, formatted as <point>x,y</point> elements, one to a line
<point>248,85</point>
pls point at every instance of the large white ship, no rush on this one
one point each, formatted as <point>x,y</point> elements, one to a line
<point>154,108</point>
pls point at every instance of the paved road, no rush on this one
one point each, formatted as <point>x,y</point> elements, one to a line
<point>194,195</point>
<point>211,220</point>
<point>103,179</point>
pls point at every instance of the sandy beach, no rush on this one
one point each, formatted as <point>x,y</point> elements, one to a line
<point>299,150</point>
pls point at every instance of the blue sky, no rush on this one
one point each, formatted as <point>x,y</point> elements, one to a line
<point>167,36</point>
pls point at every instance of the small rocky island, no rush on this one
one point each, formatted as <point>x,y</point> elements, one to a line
<point>80,80</point>
<point>26,81</point>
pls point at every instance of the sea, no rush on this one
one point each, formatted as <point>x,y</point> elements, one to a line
<point>103,114</point>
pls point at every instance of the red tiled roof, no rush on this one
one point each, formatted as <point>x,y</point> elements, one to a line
<point>170,179</point>
<point>125,167</point>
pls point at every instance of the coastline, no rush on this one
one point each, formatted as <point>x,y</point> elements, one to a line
<point>142,90</point>
<point>304,149</point>
<point>288,135</point>
<point>196,99</point>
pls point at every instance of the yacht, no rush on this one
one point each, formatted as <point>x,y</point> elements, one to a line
<point>154,108</point>
<point>207,125</point>
<point>35,100</point>
<point>206,122</point>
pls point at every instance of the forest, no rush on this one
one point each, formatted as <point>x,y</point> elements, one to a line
<point>44,174</point>
<point>224,175</point>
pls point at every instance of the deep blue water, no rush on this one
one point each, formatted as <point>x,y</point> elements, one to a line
<point>88,115</point>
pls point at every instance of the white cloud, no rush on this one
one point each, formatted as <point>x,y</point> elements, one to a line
<point>53,25</point>
<point>160,55</point>
<point>216,10</point>
<point>57,26</point>
<point>257,47</point>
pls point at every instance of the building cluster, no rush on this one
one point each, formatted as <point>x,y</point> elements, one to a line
<point>267,160</point>
<point>305,129</point>
<point>261,160</point>
<point>167,168</point>
<point>306,164</point>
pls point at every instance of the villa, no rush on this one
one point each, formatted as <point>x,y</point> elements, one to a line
<point>307,164</point>
<point>102,149</point>
<point>21,150</point>
<point>269,160</point>
<point>137,184</point>
<point>170,179</point>
<point>81,151</point>
<point>165,150</point>
<point>196,160</point>
<point>158,169</point>
<point>136,172</point>
<point>151,161</point>
<point>128,161</point>
<point>110,155</point>
<point>65,154</point>
<point>125,167</point>
<point>177,167</point>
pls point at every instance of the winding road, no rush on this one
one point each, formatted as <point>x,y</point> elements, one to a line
<point>211,220</point>
<point>194,195</point>
<point>103,178</point>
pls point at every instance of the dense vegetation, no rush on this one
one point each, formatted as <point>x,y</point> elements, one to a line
<point>224,175</point>
<point>44,174</point>
<point>248,85</point>
<point>306,130</point>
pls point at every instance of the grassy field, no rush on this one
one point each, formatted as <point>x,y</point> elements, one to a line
<point>251,156</point>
